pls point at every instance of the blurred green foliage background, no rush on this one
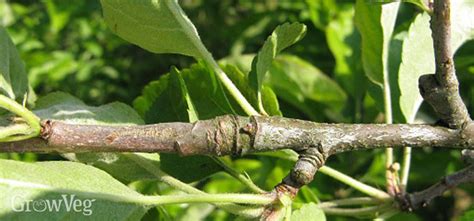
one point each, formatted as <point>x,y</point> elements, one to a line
<point>67,47</point>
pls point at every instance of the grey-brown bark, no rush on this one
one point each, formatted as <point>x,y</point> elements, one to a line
<point>235,135</point>
<point>422,198</point>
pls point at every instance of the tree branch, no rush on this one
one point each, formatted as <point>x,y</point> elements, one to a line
<point>421,199</point>
<point>441,90</point>
<point>234,135</point>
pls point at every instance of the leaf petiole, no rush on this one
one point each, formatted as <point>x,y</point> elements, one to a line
<point>31,119</point>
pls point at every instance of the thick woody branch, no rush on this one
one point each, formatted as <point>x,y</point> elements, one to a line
<point>234,135</point>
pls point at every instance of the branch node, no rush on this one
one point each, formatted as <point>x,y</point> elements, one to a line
<point>46,129</point>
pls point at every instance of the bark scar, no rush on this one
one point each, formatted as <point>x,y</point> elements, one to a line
<point>46,129</point>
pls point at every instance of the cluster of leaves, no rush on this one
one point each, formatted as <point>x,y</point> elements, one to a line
<point>343,70</point>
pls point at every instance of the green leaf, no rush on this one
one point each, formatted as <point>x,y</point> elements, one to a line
<point>173,96</point>
<point>308,212</point>
<point>195,212</point>
<point>306,87</point>
<point>189,169</point>
<point>423,4</point>
<point>100,196</point>
<point>13,78</point>
<point>417,43</point>
<point>282,37</point>
<point>462,27</point>
<point>64,107</point>
<point>344,42</point>
<point>375,22</point>
<point>321,12</point>
<point>157,26</point>
<point>159,98</point>
<point>119,165</point>
<point>268,97</point>
<point>237,68</point>
<point>205,92</point>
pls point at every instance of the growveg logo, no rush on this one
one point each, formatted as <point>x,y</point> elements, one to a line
<point>66,202</point>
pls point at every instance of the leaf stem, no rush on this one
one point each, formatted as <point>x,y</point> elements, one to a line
<point>362,187</point>
<point>31,119</point>
<point>405,170</point>
<point>350,202</point>
<point>387,214</point>
<point>207,198</point>
<point>243,179</point>
<point>229,85</point>
<point>11,133</point>
<point>173,182</point>
<point>389,174</point>
<point>366,211</point>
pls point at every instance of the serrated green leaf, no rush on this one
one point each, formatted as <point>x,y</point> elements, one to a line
<point>284,36</point>
<point>375,23</point>
<point>100,196</point>
<point>308,212</point>
<point>13,78</point>
<point>204,91</point>
<point>416,44</point>
<point>157,26</point>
